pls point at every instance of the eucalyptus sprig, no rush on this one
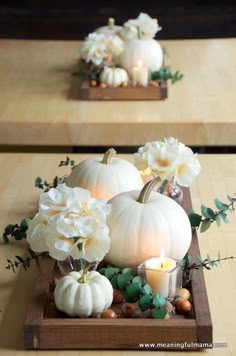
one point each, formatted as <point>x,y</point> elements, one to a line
<point>188,265</point>
<point>136,290</point>
<point>25,262</point>
<point>165,73</point>
<point>209,216</point>
<point>45,185</point>
<point>15,231</point>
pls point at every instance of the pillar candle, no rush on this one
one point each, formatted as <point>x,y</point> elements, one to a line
<point>140,74</point>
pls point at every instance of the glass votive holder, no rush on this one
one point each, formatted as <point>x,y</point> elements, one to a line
<point>164,278</point>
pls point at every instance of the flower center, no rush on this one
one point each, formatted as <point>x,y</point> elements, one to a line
<point>181,170</point>
<point>163,162</point>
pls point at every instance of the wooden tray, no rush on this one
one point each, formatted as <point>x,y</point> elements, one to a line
<point>119,93</point>
<point>47,328</point>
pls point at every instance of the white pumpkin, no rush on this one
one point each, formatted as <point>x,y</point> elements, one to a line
<point>105,177</point>
<point>110,30</point>
<point>83,298</point>
<point>113,76</point>
<point>141,224</point>
<point>147,50</point>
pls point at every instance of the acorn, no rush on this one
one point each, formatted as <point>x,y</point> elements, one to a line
<point>108,314</point>
<point>183,306</point>
<point>93,83</point>
<point>182,293</point>
<point>103,85</point>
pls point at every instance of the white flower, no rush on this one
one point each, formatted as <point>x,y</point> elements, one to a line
<point>70,223</point>
<point>141,27</point>
<point>97,47</point>
<point>94,49</point>
<point>187,168</point>
<point>37,232</point>
<point>129,30</point>
<point>170,160</point>
<point>148,26</point>
<point>114,45</point>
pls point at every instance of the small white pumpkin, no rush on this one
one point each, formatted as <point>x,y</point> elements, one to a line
<point>105,177</point>
<point>147,50</point>
<point>141,224</point>
<point>113,76</point>
<point>110,30</point>
<point>78,297</point>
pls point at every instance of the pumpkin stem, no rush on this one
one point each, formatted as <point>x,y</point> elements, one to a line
<point>108,156</point>
<point>147,189</point>
<point>111,22</point>
<point>139,32</point>
<point>85,271</point>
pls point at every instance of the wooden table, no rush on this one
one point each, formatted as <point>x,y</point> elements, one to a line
<point>39,98</point>
<point>19,199</point>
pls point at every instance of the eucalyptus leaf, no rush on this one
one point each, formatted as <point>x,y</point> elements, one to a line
<point>147,289</point>
<point>224,217</point>
<point>138,279</point>
<point>111,271</point>
<point>144,302</point>
<point>159,313</point>
<point>158,300</point>
<point>205,225</point>
<point>124,279</point>
<point>195,219</point>
<point>127,270</point>
<point>133,292</point>
<point>220,205</point>
<point>218,220</point>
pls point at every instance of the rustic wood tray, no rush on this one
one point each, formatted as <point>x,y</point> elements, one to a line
<point>47,328</point>
<point>87,92</point>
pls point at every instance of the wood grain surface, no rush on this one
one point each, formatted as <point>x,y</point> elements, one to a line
<point>39,98</point>
<point>19,199</point>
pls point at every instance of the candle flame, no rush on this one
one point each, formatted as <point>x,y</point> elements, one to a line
<point>162,256</point>
<point>140,63</point>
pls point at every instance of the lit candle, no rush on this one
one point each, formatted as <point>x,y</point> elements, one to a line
<point>140,74</point>
<point>158,274</point>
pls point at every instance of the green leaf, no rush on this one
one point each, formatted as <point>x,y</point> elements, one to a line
<point>138,279</point>
<point>209,260</point>
<point>127,270</point>
<point>159,313</point>
<point>190,260</point>
<point>24,225</point>
<point>124,279</point>
<point>9,229</point>
<point>224,217</point>
<point>20,259</point>
<point>114,281</point>
<point>5,239</point>
<point>208,212</point>
<point>205,225</point>
<point>199,258</point>
<point>102,271</point>
<point>220,205</point>
<point>111,271</point>
<point>158,300</point>
<point>132,292</point>
<point>144,302</point>
<point>195,219</point>
<point>218,220</point>
<point>147,289</point>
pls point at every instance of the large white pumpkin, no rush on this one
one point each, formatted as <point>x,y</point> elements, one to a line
<point>105,177</point>
<point>110,30</point>
<point>141,224</point>
<point>83,298</point>
<point>147,50</point>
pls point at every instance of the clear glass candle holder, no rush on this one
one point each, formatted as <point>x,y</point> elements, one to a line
<point>165,278</point>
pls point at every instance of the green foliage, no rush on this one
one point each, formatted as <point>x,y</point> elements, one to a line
<point>135,290</point>
<point>25,262</point>
<point>209,216</point>
<point>165,73</point>
<point>67,162</point>
<point>189,265</point>
<point>17,232</point>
